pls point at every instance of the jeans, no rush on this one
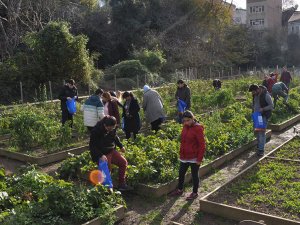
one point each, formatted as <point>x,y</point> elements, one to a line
<point>117,159</point>
<point>261,139</point>
<point>195,175</point>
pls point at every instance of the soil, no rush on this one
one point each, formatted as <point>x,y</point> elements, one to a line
<point>39,152</point>
<point>141,210</point>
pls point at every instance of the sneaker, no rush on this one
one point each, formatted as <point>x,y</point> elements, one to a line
<point>260,154</point>
<point>192,196</point>
<point>125,187</point>
<point>175,193</point>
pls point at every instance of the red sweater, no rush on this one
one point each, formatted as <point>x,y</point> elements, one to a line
<point>192,143</point>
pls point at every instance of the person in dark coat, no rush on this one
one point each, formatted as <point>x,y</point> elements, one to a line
<point>217,84</point>
<point>183,93</point>
<point>286,77</point>
<point>68,92</point>
<point>103,142</point>
<point>131,108</point>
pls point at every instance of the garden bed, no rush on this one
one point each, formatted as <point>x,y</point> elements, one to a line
<point>119,213</point>
<point>163,189</point>
<point>290,150</point>
<point>160,190</point>
<point>281,126</point>
<point>43,160</point>
<point>268,190</point>
<point>33,197</point>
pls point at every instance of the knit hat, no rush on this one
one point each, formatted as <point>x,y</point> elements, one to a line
<point>146,88</point>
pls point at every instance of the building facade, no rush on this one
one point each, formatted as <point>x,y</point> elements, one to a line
<point>264,14</point>
<point>294,24</point>
<point>240,16</point>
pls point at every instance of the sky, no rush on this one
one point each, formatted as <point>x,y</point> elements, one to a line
<point>242,3</point>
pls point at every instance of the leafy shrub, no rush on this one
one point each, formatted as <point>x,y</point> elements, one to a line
<point>37,198</point>
<point>153,60</point>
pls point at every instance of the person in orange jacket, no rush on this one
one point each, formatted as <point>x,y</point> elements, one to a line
<point>192,149</point>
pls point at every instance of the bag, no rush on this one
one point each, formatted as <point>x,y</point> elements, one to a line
<point>258,122</point>
<point>103,167</point>
<point>181,105</point>
<point>71,106</point>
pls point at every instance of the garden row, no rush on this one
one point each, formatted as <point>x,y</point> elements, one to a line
<point>269,190</point>
<point>37,132</point>
<point>153,159</point>
<point>36,198</point>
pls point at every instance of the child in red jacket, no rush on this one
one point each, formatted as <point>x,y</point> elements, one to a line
<point>192,149</point>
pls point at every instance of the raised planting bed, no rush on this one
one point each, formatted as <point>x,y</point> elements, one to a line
<point>5,137</point>
<point>45,159</point>
<point>119,213</point>
<point>281,126</point>
<point>34,197</point>
<point>163,189</point>
<point>290,150</point>
<point>269,190</point>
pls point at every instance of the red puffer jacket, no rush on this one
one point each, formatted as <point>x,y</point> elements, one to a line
<point>192,142</point>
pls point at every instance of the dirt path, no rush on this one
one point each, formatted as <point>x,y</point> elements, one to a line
<point>162,211</point>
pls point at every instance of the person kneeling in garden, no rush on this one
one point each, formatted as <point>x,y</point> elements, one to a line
<point>192,149</point>
<point>103,142</point>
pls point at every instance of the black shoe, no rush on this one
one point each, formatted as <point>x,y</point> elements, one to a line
<point>260,154</point>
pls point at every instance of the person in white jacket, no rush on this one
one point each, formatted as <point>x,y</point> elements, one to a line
<point>93,110</point>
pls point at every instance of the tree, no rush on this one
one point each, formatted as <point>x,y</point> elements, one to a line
<point>127,73</point>
<point>153,60</point>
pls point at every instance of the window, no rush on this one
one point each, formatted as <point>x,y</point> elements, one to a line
<point>257,9</point>
<point>257,22</point>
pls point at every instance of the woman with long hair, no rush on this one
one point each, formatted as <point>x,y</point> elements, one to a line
<point>192,149</point>
<point>111,106</point>
<point>131,108</point>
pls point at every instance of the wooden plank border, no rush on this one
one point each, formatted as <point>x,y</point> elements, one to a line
<point>44,160</point>
<point>285,124</point>
<point>119,213</point>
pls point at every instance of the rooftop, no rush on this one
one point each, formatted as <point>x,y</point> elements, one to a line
<point>295,17</point>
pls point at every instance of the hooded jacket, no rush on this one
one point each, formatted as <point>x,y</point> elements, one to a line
<point>184,94</point>
<point>192,144</point>
<point>102,142</point>
<point>153,106</point>
<point>93,111</point>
